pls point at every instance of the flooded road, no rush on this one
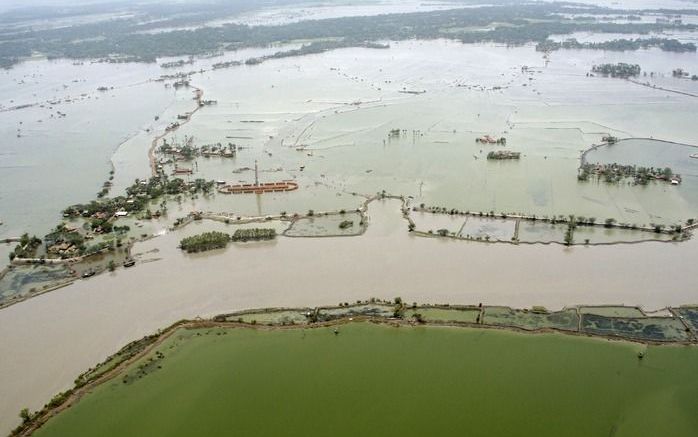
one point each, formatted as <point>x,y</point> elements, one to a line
<point>54,337</point>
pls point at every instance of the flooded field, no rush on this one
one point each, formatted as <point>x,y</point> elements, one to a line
<point>654,328</point>
<point>346,125</point>
<point>467,315</point>
<point>22,281</point>
<point>60,146</point>
<point>651,153</point>
<point>327,226</point>
<point>168,285</point>
<point>334,138</point>
<point>488,228</point>
<point>338,114</point>
<point>276,16</point>
<point>566,319</point>
<point>275,369</point>
<point>270,318</point>
<point>612,311</point>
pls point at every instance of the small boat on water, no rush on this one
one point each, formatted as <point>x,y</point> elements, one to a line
<point>130,262</point>
<point>88,273</point>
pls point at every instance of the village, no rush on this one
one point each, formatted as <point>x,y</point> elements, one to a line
<point>615,173</point>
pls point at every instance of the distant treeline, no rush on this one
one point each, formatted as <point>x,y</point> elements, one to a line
<point>620,69</point>
<point>669,45</point>
<point>125,39</point>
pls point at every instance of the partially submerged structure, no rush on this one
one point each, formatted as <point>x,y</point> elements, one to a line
<point>487,139</point>
<point>503,154</point>
<point>257,187</point>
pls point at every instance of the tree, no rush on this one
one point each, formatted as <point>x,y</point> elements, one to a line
<point>24,415</point>
<point>418,317</point>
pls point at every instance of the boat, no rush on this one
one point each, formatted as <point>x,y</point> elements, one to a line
<point>88,273</point>
<point>130,262</point>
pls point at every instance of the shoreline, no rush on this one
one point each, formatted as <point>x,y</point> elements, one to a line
<point>128,304</point>
<point>363,210</point>
<point>198,95</point>
<point>84,384</point>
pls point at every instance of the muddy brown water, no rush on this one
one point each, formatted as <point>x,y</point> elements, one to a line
<point>54,337</point>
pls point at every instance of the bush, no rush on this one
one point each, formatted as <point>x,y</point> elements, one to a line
<point>254,234</point>
<point>205,241</point>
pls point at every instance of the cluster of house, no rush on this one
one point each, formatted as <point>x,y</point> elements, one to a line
<point>64,249</point>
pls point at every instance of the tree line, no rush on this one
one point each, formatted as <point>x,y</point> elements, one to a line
<point>125,39</point>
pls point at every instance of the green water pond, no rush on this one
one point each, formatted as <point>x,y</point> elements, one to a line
<point>378,380</point>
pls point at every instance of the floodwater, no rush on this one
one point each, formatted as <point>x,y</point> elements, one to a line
<point>341,106</point>
<point>49,160</point>
<point>658,154</point>
<point>338,107</point>
<point>452,381</point>
<point>642,4</point>
<point>275,16</point>
<point>323,121</point>
<point>82,324</point>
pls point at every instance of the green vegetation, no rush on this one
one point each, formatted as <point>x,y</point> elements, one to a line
<point>26,248</point>
<point>642,328</point>
<point>503,154</point>
<point>437,314</point>
<point>452,381</point>
<point>531,320</point>
<point>612,311</point>
<point>690,314</point>
<point>254,234</point>
<point>569,233</point>
<point>668,45</point>
<point>615,173</point>
<point>101,214</point>
<point>314,48</point>
<point>345,224</point>
<point>203,242</point>
<point>138,196</point>
<point>620,69</point>
<point>127,352</point>
<point>282,317</point>
<point>127,39</point>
